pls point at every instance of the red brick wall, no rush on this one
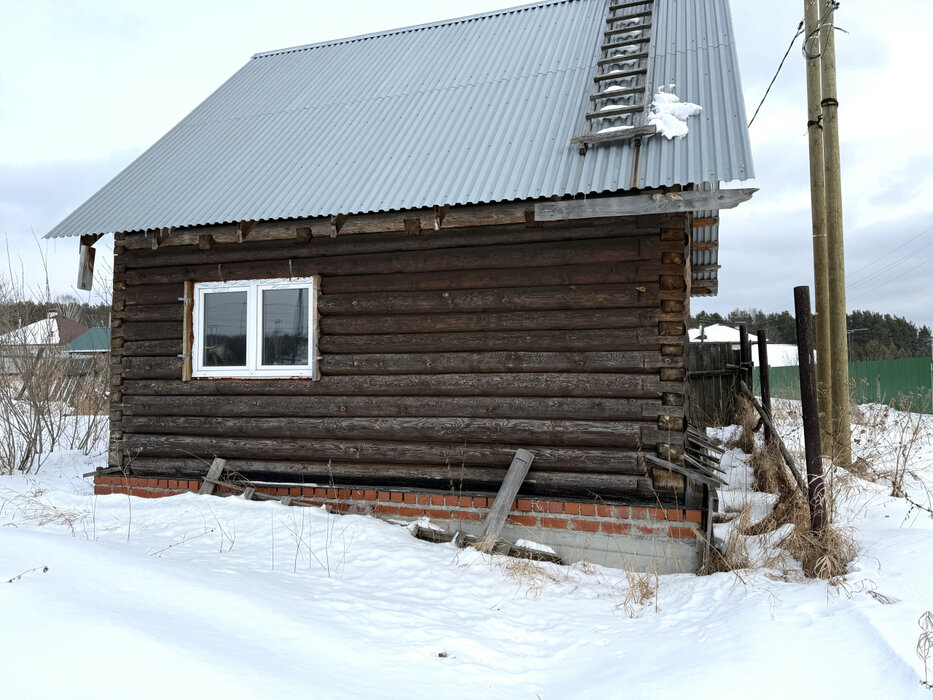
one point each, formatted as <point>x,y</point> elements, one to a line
<point>577,516</point>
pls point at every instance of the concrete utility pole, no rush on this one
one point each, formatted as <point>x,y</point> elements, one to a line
<point>818,215</point>
<point>842,432</point>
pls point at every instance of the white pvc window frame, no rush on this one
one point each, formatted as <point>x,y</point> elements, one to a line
<point>254,369</point>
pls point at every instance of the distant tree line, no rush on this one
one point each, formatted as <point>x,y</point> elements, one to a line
<point>872,336</point>
<point>15,314</point>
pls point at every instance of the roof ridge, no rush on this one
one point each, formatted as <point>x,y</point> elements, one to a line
<point>412,28</point>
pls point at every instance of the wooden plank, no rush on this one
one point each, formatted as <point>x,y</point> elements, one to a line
<point>86,255</point>
<point>548,385</point>
<point>501,506</point>
<point>257,406</point>
<point>187,337</point>
<point>444,429</point>
<point>635,205</point>
<point>213,474</point>
<point>705,221</point>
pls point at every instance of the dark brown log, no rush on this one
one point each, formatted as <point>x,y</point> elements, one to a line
<point>154,294</point>
<point>373,243</point>
<point>484,362</point>
<point>157,312</point>
<point>505,299</point>
<point>474,258</point>
<point>457,430</point>
<point>167,365</point>
<point>153,330</point>
<point>442,477</point>
<point>525,384</point>
<point>505,321</point>
<point>612,273</point>
<point>152,348</point>
<point>574,459</point>
<point>388,406</point>
<point>616,340</point>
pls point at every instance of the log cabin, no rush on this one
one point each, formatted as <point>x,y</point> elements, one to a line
<point>367,271</point>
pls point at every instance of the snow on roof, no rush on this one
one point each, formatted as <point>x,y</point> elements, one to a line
<point>53,330</point>
<point>717,333</point>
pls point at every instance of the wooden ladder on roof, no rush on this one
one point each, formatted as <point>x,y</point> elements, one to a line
<point>620,98</point>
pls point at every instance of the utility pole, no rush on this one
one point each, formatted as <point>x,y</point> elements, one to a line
<point>842,432</point>
<point>818,216</point>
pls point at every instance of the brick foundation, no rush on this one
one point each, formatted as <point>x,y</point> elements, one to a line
<point>549,514</point>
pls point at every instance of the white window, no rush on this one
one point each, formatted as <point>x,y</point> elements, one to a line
<point>255,328</point>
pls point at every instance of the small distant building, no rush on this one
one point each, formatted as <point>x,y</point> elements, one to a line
<point>93,341</point>
<point>54,332</point>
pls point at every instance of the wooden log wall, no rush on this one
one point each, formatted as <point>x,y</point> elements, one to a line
<point>442,352</point>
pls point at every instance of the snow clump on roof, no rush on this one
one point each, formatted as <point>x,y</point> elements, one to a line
<point>669,114</point>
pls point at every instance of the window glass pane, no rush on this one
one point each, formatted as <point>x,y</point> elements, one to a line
<point>285,327</point>
<point>225,329</point>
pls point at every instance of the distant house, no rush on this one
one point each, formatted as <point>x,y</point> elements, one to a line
<point>367,270</point>
<point>94,341</point>
<point>53,333</point>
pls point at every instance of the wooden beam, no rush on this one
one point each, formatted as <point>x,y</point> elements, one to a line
<point>705,245</point>
<point>336,223</point>
<point>159,235</point>
<point>302,235</point>
<point>412,227</point>
<point>439,214</point>
<point>514,477</point>
<point>243,229</point>
<point>187,332</point>
<point>641,204</point>
<point>205,241</point>
<point>213,476</point>
<point>86,254</point>
<point>706,221</point>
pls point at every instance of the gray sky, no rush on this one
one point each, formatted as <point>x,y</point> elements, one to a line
<point>86,86</point>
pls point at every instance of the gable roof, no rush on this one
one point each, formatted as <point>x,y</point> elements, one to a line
<point>93,340</point>
<point>55,329</point>
<point>472,110</point>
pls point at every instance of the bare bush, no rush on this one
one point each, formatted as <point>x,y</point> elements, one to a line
<point>49,399</point>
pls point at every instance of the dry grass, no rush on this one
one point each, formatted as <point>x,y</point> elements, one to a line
<point>823,555</point>
<point>735,555</point>
<point>747,419</point>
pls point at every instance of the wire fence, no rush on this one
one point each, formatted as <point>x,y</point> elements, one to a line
<point>907,383</point>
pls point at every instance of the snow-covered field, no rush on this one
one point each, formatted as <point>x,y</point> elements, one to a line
<point>193,597</point>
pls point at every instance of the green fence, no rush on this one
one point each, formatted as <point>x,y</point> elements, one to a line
<point>906,381</point>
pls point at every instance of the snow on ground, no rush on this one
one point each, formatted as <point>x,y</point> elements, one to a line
<point>198,596</point>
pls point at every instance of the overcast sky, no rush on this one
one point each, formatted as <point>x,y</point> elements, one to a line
<point>86,86</point>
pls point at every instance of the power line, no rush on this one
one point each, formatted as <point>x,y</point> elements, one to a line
<point>777,72</point>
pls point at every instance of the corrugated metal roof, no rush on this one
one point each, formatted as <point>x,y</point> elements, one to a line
<point>478,109</point>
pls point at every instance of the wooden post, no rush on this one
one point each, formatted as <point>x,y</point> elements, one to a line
<point>187,341</point>
<point>213,474</point>
<point>765,377</point>
<point>86,253</point>
<point>501,507</point>
<point>842,438</point>
<point>811,414</point>
<point>818,216</point>
<point>745,355</point>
